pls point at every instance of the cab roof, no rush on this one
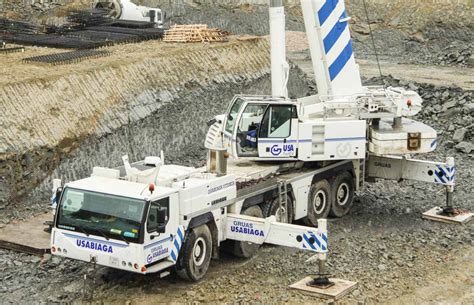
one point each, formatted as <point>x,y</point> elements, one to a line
<point>120,188</point>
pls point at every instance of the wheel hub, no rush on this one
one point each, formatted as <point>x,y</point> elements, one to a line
<point>343,194</point>
<point>281,215</point>
<point>319,202</point>
<point>199,251</point>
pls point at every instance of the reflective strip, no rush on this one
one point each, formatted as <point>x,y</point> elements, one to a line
<point>319,244</point>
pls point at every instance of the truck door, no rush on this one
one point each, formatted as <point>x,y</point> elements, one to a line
<point>247,129</point>
<point>278,133</point>
<point>229,125</point>
<point>161,228</point>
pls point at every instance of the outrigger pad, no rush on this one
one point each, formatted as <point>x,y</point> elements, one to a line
<point>460,216</point>
<point>335,292</point>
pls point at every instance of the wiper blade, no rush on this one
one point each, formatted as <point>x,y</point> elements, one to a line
<point>103,234</point>
<point>123,238</point>
<point>82,230</point>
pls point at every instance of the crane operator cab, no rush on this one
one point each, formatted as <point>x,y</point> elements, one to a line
<point>259,127</point>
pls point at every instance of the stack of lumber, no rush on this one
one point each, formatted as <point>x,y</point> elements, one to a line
<point>194,33</point>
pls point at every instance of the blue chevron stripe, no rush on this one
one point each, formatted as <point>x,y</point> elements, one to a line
<point>180,234</point>
<point>176,244</point>
<point>442,170</point>
<point>326,10</point>
<point>333,36</point>
<point>337,66</point>
<point>316,240</point>
<point>440,177</point>
<point>307,241</point>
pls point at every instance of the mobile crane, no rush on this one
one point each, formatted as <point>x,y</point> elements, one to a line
<point>368,126</point>
<point>149,216</point>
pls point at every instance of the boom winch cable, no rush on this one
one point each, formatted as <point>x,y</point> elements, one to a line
<point>373,40</point>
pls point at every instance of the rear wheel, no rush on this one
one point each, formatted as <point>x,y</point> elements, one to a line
<point>195,257</point>
<point>283,214</point>
<point>342,189</point>
<point>319,202</point>
<point>246,249</point>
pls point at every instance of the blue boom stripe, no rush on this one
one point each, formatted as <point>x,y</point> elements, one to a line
<point>326,10</point>
<point>335,33</point>
<point>341,61</point>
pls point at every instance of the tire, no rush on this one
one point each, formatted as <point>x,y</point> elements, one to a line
<point>319,202</point>
<point>242,248</point>
<point>273,208</point>
<point>342,189</point>
<point>195,256</point>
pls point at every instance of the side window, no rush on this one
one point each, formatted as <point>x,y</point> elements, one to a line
<point>159,215</point>
<point>277,121</point>
<point>251,117</point>
<point>232,116</point>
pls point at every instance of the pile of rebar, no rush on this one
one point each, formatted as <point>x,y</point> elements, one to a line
<point>85,18</point>
<point>67,57</point>
<point>86,29</point>
<point>140,33</point>
<point>56,41</point>
<point>11,50</point>
<point>133,24</point>
<point>13,26</point>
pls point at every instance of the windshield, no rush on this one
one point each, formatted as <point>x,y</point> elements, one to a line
<point>101,214</point>
<point>232,116</point>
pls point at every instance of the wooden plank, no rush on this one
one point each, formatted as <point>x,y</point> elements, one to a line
<point>28,236</point>
<point>335,292</point>
<point>194,33</point>
<point>462,218</point>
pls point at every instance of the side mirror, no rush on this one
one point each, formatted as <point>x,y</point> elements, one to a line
<point>59,191</point>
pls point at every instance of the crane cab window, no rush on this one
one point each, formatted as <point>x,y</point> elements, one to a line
<point>277,121</point>
<point>248,128</point>
<point>232,116</point>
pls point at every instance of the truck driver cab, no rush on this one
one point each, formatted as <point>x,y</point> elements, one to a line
<point>257,127</point>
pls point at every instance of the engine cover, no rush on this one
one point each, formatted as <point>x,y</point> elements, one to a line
<point>411,137</point>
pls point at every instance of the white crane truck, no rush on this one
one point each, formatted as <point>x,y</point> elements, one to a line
<point>127,10</point>
<point>290,160</point>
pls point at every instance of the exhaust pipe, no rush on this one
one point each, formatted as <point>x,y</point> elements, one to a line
<point>217,161</point>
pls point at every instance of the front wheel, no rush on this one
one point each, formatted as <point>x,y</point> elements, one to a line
<point>195,257</point>
<point>283,214</point>
<point>246,249</point>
